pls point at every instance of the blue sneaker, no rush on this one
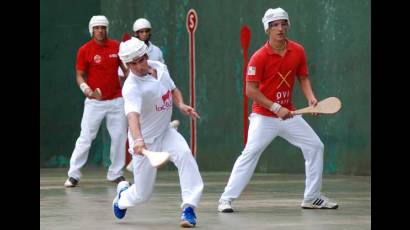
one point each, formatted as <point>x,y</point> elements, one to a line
<point>188,218</point>
<point>121,187</point>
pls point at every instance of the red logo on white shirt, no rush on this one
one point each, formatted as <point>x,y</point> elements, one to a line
<point>167,101</point>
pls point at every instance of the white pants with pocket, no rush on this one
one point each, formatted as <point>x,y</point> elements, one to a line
<point>262,131</point>
<point>144,174</point>
<point>94,112</point>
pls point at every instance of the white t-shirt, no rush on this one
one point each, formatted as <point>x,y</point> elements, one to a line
<point>154,53</point>
<point>152,99</point>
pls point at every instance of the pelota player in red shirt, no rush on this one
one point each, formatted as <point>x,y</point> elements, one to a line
<point>270,79</point>
<point>97,76</point>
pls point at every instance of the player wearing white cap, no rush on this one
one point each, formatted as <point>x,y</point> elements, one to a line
<point>149,95</point>
<point>270,78</point>
<point>97,76</point>
<point>142,30</point>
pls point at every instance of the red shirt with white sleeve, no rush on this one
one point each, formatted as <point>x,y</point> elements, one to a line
<point>276,74</point>
<point>100,63</point>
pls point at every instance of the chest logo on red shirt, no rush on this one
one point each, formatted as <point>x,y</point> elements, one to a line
<point>166,100</point>
<point>97,58</point>
<point>283,79</point>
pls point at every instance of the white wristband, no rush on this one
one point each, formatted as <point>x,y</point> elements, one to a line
<point>84,86</point>
<point>275,107</point>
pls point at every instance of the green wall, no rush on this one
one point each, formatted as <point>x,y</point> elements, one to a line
<point>336,37</point>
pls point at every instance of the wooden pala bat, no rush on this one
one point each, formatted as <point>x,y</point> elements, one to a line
<point>329,105</point>
<point>157,159</point>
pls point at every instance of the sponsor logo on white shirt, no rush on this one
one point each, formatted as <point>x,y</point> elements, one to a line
<point>166,100</point>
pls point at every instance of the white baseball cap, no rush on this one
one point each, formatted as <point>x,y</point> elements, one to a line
<point>97,20</point>
<point>132,49</point>
<point>141,23</point>
<point>273,15</point>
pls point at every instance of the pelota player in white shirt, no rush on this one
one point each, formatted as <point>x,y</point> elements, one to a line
<point>149,94</point>
<point>142,30</point>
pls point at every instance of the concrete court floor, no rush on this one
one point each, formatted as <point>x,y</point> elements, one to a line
<point>270,201</point>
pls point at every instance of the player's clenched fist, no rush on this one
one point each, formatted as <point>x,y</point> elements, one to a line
<point>284,113</point>
<point>138,146</point>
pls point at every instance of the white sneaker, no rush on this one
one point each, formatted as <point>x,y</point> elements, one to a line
<point>225,206</point>
<point>321,202</point>
<point>121,187</point>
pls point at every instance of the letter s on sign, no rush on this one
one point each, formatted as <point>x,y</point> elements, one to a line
<point>191,21</point>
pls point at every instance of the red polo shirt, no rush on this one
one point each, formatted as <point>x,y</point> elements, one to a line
<point>101,62</point>
<point>276,75</point>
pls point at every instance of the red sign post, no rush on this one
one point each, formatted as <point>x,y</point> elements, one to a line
<point>191,24</point>
<point>245,40</point>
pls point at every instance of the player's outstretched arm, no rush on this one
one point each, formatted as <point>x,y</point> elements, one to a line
<point>179,102</point>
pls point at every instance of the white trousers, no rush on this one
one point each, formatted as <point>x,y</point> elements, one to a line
<point>262,131</point>
<point>144,174</point>
<point>94,112</point>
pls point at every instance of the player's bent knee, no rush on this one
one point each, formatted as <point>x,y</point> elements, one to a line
<point>316,144</point>
<point>319,145</point>
<point>186,154</point>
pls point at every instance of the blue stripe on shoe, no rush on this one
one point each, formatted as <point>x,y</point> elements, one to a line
<point>122,190</point>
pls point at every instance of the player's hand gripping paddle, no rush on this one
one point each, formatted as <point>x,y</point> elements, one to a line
<point>329,105</point>
<point>157,159</point>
